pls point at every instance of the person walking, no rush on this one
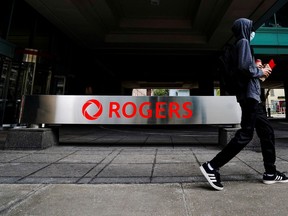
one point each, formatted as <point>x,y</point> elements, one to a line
<point>253,113</point>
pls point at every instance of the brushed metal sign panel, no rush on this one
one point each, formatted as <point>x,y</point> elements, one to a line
<point>80,109</point>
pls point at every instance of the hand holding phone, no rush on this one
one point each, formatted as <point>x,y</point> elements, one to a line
<point>266,72</point>
<point>271,64</point>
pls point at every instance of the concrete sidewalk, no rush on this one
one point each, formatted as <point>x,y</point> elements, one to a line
<point>99,172</point>
<point>177,199</point>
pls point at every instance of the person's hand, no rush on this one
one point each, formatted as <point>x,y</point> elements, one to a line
<point>267,66</point>
<point>259,65</point>
<point>266,71</point>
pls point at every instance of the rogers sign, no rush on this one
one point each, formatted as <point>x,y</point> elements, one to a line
<point>129,109</point>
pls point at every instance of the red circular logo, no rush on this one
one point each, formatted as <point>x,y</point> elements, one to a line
<point>90,103</point>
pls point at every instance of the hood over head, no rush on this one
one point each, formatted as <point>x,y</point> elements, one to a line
<point>242,28</point>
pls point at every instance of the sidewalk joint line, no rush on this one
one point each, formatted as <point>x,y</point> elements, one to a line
<point>104,167</point>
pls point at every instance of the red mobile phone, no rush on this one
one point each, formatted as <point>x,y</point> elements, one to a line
<point>272,64</point>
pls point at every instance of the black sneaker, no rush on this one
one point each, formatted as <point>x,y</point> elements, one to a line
<point>212,176</point>
<point>273,178</point>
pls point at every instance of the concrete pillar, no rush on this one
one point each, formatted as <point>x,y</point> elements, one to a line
<point>226,134</point>
<point>286,95</point>
<point>31,138</point>
<point>149,92</point>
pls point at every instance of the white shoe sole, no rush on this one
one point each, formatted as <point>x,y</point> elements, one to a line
<point>273,182</point>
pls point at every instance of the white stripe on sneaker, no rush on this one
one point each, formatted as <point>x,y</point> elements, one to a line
<point>212,177</point>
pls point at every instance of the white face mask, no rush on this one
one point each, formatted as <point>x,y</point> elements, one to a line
<point>252,35</point>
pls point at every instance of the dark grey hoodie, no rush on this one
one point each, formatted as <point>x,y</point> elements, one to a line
<point>249,74</point>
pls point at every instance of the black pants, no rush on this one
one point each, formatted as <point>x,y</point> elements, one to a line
<point>253,116</point>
